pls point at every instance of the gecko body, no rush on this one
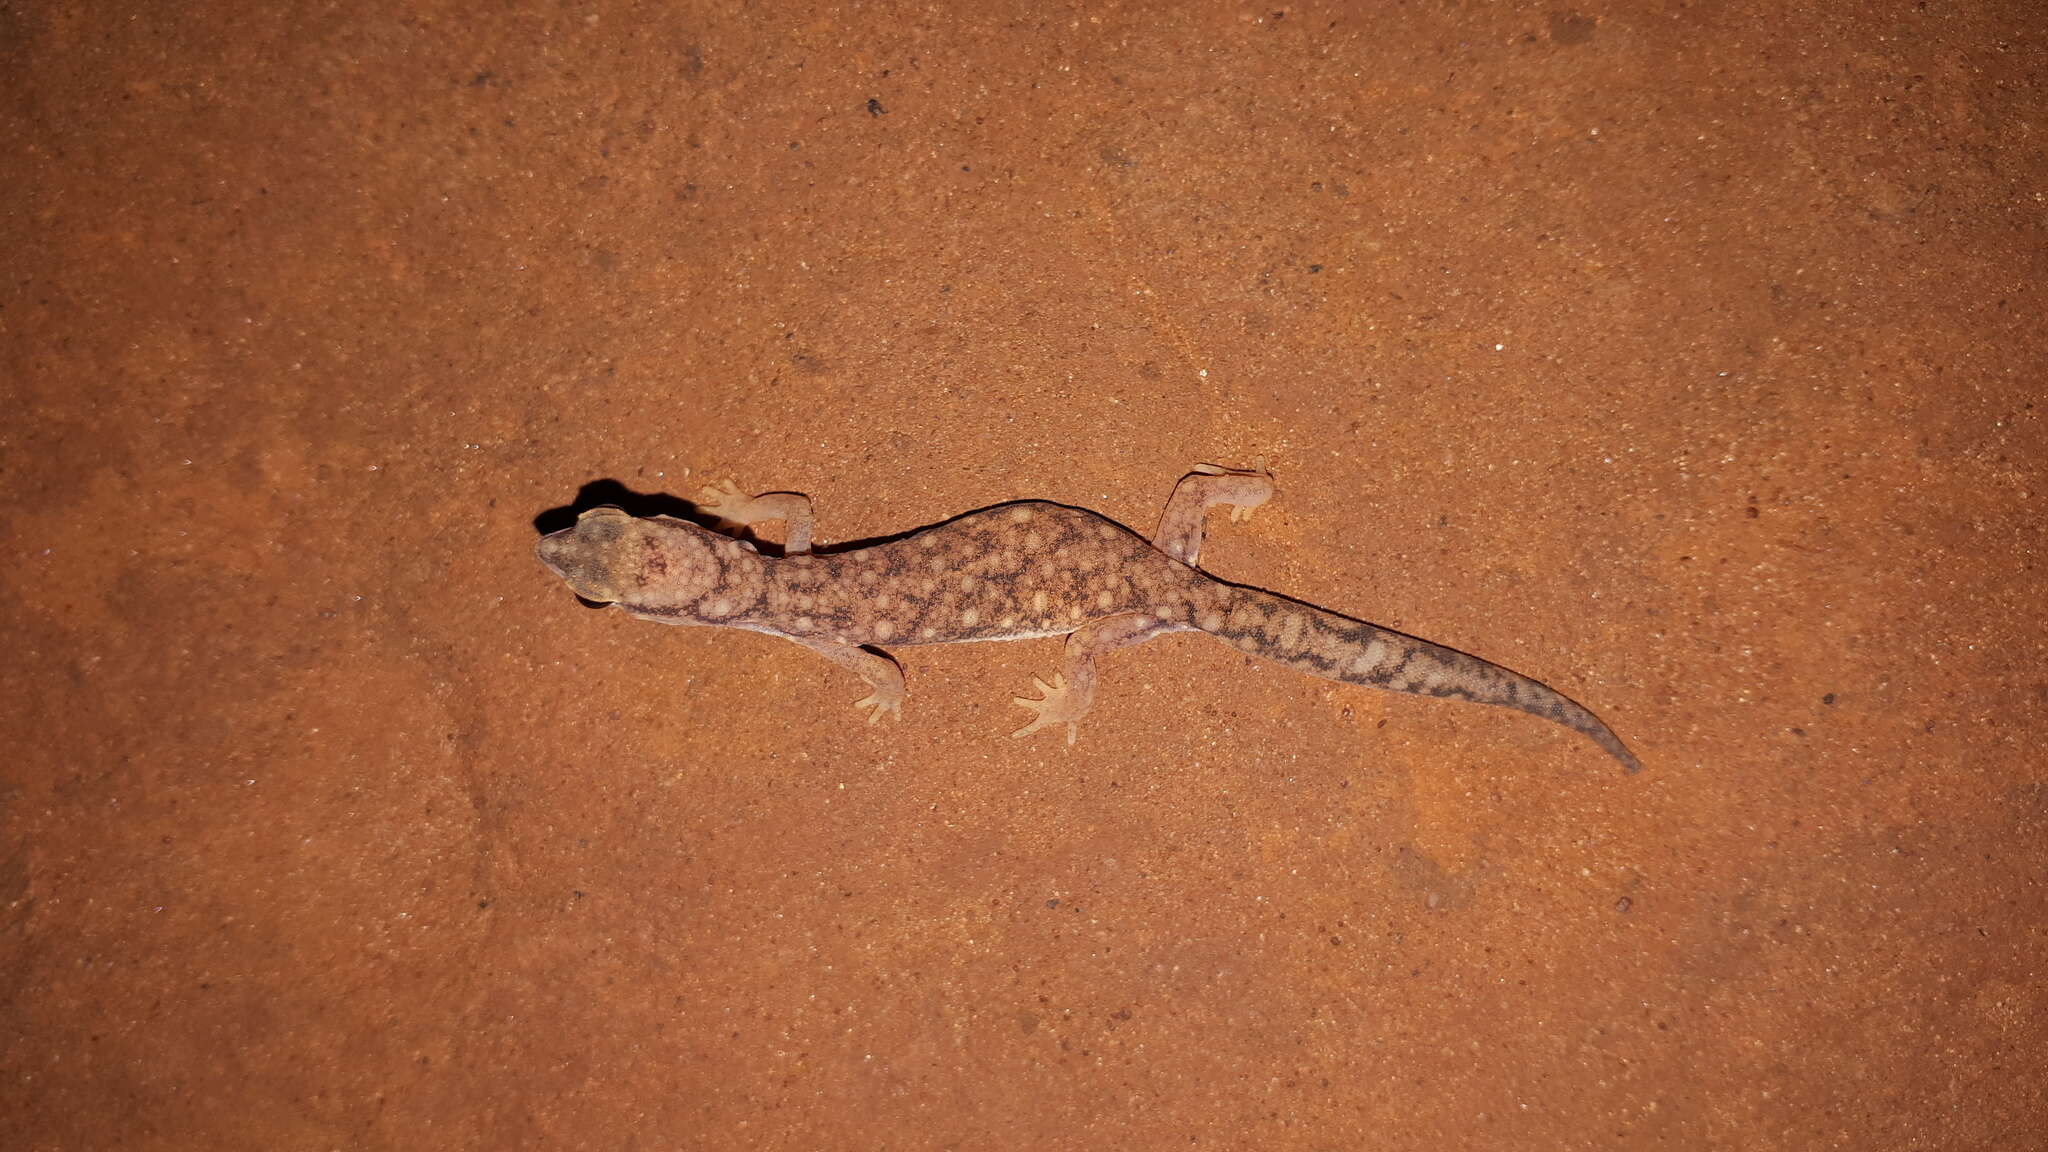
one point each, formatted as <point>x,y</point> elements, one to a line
<point>1011,572</point>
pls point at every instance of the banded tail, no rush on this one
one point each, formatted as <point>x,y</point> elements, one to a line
<point>1309,639</point>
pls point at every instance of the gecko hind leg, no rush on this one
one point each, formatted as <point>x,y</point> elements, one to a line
<point>1072,691</point>
<point>734,510</point>
<point>877,669</point>
<point>1180,528</point>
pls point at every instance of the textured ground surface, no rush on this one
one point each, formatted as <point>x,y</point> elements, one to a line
<point>1687,359</point>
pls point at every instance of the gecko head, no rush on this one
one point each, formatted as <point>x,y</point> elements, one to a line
<point>589,556</point>
<point>610,556</point>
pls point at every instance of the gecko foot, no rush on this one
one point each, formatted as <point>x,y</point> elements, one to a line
<point>1243,489</point>
<point>733,512</point>
<point>727,504</point>
<point>1057,704</point>
<point>884,701</point>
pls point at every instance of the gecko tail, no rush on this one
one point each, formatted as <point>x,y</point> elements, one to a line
<point>1309,639</point>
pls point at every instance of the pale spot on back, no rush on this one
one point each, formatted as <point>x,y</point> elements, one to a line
<point>1375,654</point>
<point>1290,630</point>
<point>1020,515</point>
<point>885,628</point>
<point>971,617</point>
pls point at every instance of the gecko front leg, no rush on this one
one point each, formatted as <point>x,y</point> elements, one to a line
<point>734,510</point>
<point>878,670</point>
<point>1072,691</point>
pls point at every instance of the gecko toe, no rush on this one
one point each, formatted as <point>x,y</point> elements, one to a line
<point>881,705</point>
<point>1037,721</point>
<point>728,505</point>
<point>1053,706</point>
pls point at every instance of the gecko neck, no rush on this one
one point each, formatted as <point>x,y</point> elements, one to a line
<point>733,577</point>
<point>737,591</point>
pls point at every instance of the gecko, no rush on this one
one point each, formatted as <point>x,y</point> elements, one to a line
<point>1010,572</point>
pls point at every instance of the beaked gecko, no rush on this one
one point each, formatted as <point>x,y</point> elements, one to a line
<point>1011,572</point>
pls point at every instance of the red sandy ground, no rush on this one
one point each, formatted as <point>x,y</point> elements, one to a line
<point>1689,359</point>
